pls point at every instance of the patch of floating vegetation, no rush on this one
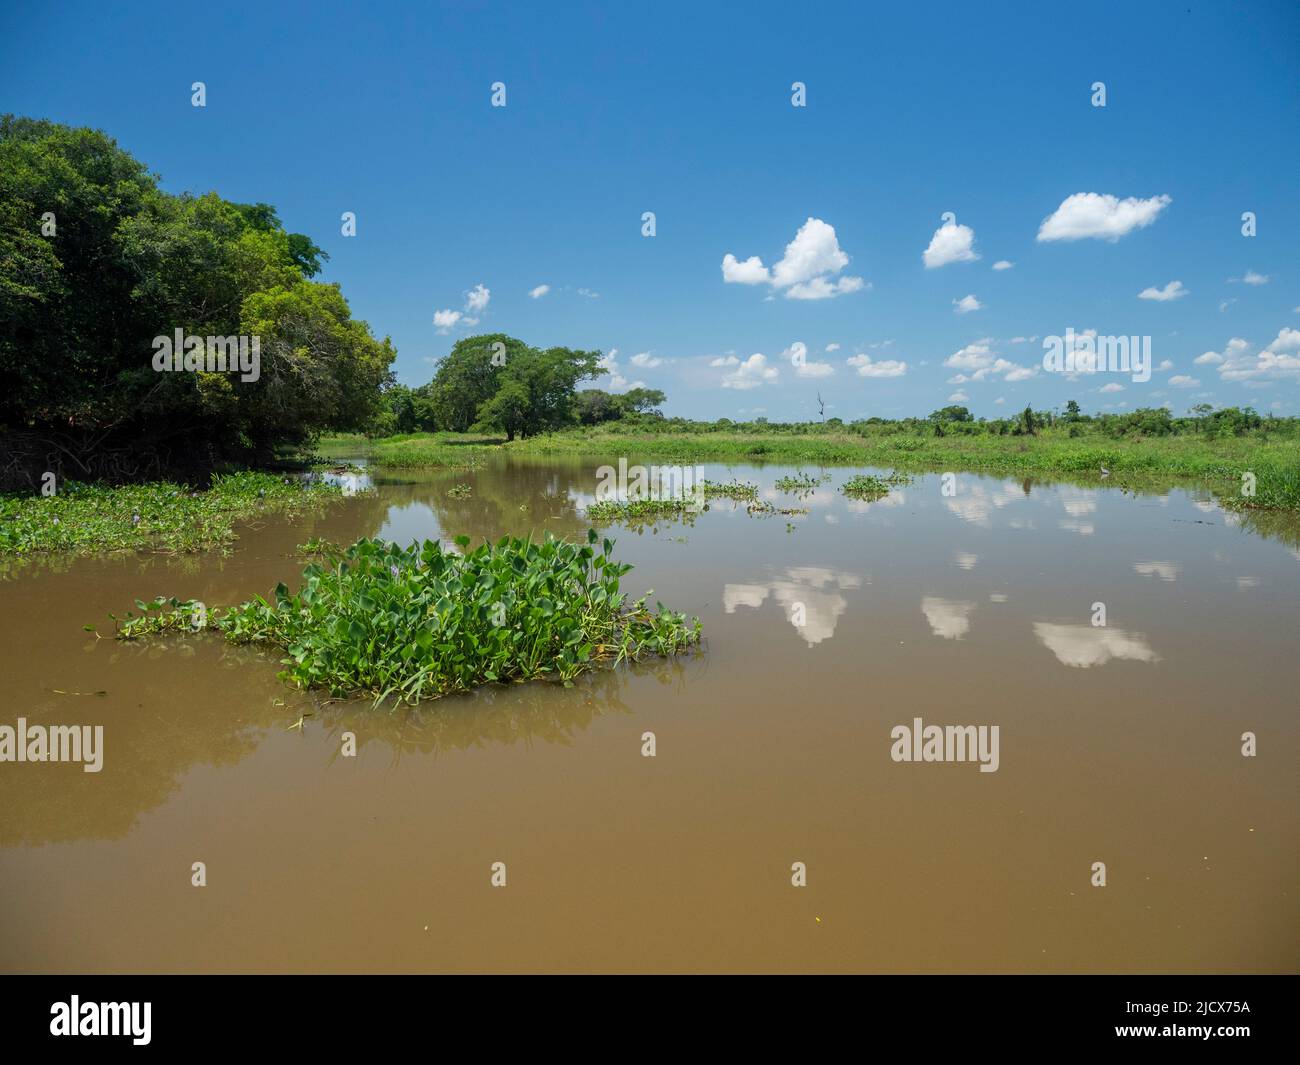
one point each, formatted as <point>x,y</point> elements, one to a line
<point>422,622</point>
<point>640,511</point>
<point>159,516</point>
<point>870,487</point>
<point>761,508</point>
<point>318,546</point>
<point>741,491</point>
<point>460,491</point>
<point>801,482</point>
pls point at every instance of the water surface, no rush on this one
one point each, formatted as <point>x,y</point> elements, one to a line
<point>1118,743</point>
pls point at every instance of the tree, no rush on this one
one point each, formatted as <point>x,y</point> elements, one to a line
<point>508,409</point>
<point>641,401</point>
<point>542,392</point>
<point>469,375</point>
<point>951,414</point>
<point>96,262</point>
<point>1071,411</point>
<point>594,406</point>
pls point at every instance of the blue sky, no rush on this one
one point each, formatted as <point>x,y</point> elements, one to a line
<point>612,110</point>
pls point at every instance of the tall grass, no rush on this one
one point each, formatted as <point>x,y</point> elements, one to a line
<point>422,450</point>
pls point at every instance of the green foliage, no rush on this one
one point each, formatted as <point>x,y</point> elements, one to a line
<point>951,414</point>
<point>468,376</point>
<point>536,390</point>
<point>637,512</point>
<point>127,262</point>
<point>865,486</point>
<point>801,482</point>
<point>594,406</point>
<point>739,490</point>
<point>420,622</point>
<point>160,516</point>
<point>497,382</point>
<point>426,451</point>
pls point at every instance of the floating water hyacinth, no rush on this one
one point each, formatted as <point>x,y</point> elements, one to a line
<point>869,487</point>
<point>801,482</point>
<point>738,490</point>
<point>161,517</point>
<point>421,622</point>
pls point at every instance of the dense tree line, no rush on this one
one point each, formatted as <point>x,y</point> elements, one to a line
<point>497,383</point>
<point>96,261</point>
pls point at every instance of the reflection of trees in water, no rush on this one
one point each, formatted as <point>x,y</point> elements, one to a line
<point>1273,524</point>
<point>188,705</point>
<point>200,702</point>
<point>506,498</point>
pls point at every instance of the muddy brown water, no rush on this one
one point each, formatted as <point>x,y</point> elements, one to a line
<point>1118,744</point>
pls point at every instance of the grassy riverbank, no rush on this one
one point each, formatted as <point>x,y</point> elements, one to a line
<point>1214,461</point>
<point>158,516</point>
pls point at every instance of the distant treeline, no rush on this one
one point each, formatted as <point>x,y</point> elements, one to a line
<point>496,383</point>
<point>97,263</point>
<point>958,421</point>
<point>463,397</point>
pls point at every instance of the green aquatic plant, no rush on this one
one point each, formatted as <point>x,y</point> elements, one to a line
<point>460,491</point>
<point>763,509</point>
<point>801,482</point>
<point>608,511</point>
<point>159,516</point>
<point>865,486</point>
<point>422,622</point>
<point>738,490</point>
<point>318,546</point>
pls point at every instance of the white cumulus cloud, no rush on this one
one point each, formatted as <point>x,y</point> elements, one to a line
<point>807,269</point>
<point>540,291</point>
<point>966,304</point>
<point>1103,217</point>
<point>1172,291</point>
<point>750,272</point>
<point>884,368</point>
<point>445,320</point>
<point>750,373</point>
<point>951,243</point>
<point>617,381</point>
<point>1280,360</point>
